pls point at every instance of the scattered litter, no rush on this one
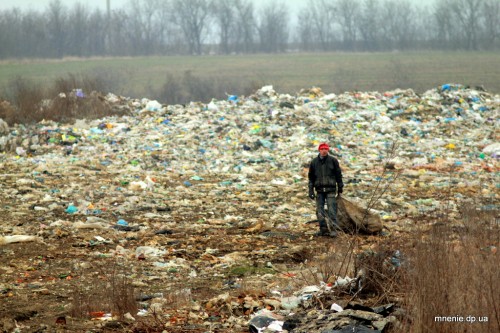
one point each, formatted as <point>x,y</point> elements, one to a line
<point>18,239</point>
<point>202,191</point>
<point>265,320</point>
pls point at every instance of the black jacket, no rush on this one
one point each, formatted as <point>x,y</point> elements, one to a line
<point>325,174</point>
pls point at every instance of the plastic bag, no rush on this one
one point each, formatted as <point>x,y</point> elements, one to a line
<point>353,219</point>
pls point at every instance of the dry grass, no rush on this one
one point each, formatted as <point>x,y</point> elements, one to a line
<point>444,274</point>
<point>335,260</point>
<point>383,272</point>
<point>449,272</point>
<point>454,272</point>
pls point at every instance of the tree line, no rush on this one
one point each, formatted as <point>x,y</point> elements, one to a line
<point>196,27</point>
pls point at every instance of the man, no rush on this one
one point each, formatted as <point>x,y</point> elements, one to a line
<point>325,176</point>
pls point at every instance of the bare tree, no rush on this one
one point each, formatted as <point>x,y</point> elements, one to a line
<point>147,27</point>
<point>491,22</point>
<point>369,24</point>
<point>273,28</point>
<point>387,30</point>
<point>97,24</point>
<point>118,42</point>
<point>10,33</point>
<point>323,18</point>
<point>32,35</point>
<point>192,17</point>
<point>142,29</point>
<point>305,31</point>
<point>169,34</point>
<point>451,20</point>
<point>77,31</point>
<point>348,13</point>
<point>399,24</point>
<point>245,30</point>
<point>57,18</point>
<point>444,25</point>
<point>425,27</point>
<point>459,22</point>
<point>225,16</point>
<point>466,12</point>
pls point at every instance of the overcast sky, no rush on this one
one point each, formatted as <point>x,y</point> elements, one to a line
<point>40,5</point>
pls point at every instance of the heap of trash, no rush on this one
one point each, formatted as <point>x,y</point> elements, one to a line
<point>202,192</point>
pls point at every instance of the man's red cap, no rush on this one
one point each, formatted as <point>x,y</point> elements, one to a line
<point>323,146</point>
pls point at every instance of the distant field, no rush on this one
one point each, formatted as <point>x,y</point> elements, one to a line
<point>333,72</point>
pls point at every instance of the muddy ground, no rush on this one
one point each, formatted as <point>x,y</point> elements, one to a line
<point>193,218</point>
<point>212,240</point>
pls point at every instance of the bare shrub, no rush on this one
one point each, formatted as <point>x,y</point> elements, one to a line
<point>65,100</point>
<point>172,90</point>
<point>7,112</point>
<point>335,260</point>
<point>202,89</point>
<point>68,107</point>
<point>106,290</point>
<point>383,272</point>
<point>25,97</point>
<point>152,324</point>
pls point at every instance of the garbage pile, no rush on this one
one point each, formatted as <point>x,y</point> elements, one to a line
<point>203,191</point>
<point>272,136</point>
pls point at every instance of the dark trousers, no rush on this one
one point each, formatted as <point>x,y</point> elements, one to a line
<point>331,202</point>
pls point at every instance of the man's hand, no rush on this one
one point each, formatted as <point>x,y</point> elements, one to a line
<point>311,194</point>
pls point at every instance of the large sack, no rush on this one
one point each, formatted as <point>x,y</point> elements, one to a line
<point>352,218</point>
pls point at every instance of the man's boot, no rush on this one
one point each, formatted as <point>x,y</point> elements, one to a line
<point>333,234</point>
<point>323,229</point>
